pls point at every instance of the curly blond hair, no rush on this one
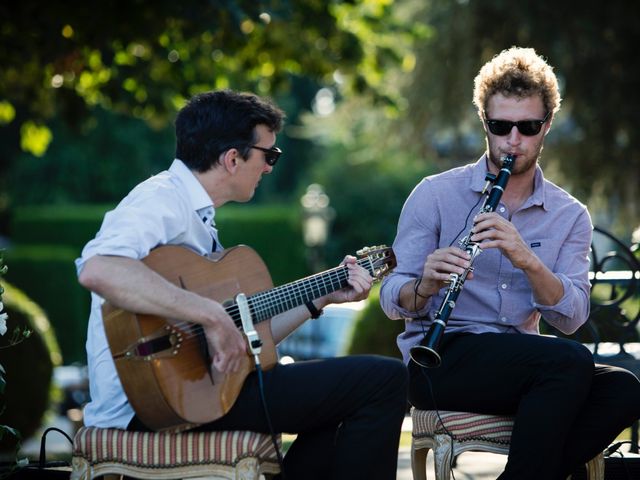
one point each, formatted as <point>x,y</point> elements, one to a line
<point>517,72</point>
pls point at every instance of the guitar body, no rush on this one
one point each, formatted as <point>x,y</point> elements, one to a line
<point>163,364</point>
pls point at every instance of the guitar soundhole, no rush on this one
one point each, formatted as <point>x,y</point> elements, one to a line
<point>169,343</point>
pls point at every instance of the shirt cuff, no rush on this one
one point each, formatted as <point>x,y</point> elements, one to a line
<point>565,307</point>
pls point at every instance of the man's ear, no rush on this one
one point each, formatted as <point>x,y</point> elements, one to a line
<point>230,160</point>
<point>548,127</point>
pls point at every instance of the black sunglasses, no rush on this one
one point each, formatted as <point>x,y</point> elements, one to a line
<point>525,127</point>
<point>271,155</point>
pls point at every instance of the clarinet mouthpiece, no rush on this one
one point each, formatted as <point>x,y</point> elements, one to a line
<point>507,160</point>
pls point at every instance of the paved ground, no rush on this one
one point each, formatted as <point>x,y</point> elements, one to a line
<point>470,466</point>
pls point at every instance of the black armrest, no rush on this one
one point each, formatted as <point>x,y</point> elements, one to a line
<point>615,285</point>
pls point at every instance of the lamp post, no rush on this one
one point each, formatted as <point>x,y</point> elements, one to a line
<point>317,216</point>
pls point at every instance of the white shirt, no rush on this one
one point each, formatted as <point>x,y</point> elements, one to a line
<point>171,208</point>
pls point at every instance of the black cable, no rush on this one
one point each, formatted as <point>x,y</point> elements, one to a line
<point>613,448</point>
<point>418,281</point>
<point>268,417</point>
<point>466,221</point>
<point>446,430</point>
<point>424,334</point>
<point>42,463</point>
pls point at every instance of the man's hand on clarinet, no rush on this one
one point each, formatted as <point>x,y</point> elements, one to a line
<point>493,231</point>
<point>437,270</point>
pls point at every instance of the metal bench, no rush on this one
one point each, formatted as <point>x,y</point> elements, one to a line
<point>611,332</point>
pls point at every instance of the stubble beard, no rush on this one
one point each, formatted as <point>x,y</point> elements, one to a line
<point>523,163</point>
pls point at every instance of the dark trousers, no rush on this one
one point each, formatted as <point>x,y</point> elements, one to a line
<point>346,411</point>
<point>566,409</point>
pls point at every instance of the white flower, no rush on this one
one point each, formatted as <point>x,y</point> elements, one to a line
<point>3,322</point>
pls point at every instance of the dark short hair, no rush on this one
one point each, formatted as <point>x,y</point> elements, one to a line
<point>213,122</point>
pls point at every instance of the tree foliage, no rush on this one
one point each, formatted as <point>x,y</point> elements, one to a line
<point>146,57</point>
<point>594,146</point>
<point>65,64</point>
<point>367,171</point>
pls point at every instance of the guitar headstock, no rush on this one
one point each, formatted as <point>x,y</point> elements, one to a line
<point>381,260</point>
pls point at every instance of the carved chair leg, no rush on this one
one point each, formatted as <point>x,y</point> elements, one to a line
<point>442,456</point>
<point>419,461</point>
<point>595,468</point>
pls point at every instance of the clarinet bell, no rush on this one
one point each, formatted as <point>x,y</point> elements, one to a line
<point>425,356</point>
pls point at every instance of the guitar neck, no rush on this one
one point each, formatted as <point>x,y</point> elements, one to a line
<point>267,304</point>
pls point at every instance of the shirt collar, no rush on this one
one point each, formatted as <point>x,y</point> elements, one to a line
<point>198,197</point>
<point>538,198</point>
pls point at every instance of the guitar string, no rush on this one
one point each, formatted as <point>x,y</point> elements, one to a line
<point>264,305</point>
<point>260,303</point>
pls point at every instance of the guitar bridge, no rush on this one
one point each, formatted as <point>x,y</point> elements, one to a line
<point>163,344</point>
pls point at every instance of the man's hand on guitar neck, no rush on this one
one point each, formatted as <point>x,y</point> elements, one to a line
<point>359,284</point>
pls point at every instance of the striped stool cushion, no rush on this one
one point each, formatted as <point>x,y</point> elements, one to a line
<point>463,426</point>
<point>156,449</point>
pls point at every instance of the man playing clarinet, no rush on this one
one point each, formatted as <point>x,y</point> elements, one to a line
<point>534,263</point>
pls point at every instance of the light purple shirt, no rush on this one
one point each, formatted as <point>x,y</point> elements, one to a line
<point>439,212</point>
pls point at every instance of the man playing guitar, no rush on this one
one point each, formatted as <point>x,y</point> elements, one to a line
<point>345,411</point>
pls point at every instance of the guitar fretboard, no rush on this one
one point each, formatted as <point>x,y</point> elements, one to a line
<point>267,304</point>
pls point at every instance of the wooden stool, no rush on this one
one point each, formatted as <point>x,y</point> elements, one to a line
<point>204,455</point>
<point>470,432</point>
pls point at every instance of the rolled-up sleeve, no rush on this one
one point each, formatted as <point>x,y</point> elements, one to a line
<point>139,225</point>
<point>572,268</point>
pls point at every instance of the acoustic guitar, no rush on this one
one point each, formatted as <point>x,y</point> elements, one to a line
<point>165,365</point>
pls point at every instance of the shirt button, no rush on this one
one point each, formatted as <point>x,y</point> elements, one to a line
<point>504,319</point>
<point>502,209</point>
<point>504,286</point>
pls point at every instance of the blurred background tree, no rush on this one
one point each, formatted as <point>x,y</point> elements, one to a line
<point>64,65</point>
<point>82,85</point>
<point>594,147</point>
<point>377,92</point>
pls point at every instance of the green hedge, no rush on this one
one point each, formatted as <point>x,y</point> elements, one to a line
<point>70,225</point>
<point>373,331</point>
<point>275,232</point>
<point>47,274</point>
<point>46,241</point>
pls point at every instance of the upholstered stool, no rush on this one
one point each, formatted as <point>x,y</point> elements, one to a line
<point>471,432</point>
<point>204,455</point>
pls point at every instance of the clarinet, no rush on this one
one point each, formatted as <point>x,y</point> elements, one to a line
<point>427,355</point>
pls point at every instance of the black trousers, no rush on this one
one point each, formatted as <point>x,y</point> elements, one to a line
<point>566,408</point>
<point>346,411</point>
